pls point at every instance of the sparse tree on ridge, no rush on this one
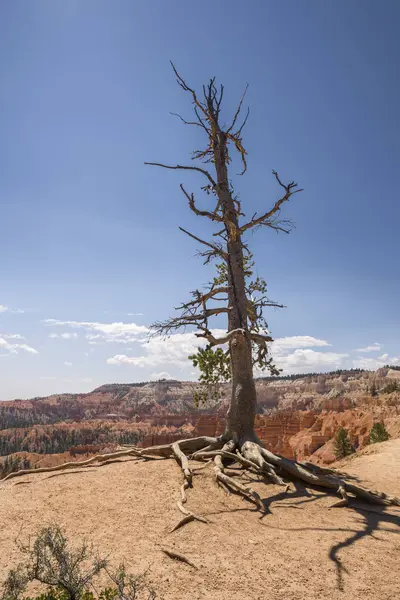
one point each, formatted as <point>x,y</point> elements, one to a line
<point>343,446</point>
<point>241,298</point>
<point>378,433</point>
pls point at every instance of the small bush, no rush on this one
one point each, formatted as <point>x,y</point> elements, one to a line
<point>69,573</point>
<point>15,584</point>
<point>372,389</point>
<point>378,433</point>
<point>342,447</point>
<point>392,386</point>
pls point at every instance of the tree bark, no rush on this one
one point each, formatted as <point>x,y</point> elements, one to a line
<point>242,409</point>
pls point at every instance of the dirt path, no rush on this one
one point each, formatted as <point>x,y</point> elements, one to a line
<point>300,550</point>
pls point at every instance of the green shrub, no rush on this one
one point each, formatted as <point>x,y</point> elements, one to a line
<point>69,573</point>
<point>392,386</point>
<point>378,433</point>
<point>342,447</point>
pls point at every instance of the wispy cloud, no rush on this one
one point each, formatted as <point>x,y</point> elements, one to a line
<point>122,333</point>
<point>15,348</point>
<point>63,336</point>
<point>13,336</point>
<point>160,352</point>
<point>160,375</point>
<point>375,347</point>
<point>4,308</point>
<point>298,341</point>
<point>68,364</point>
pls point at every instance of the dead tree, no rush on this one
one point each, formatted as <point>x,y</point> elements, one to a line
<point>241,299</point>
<point>232,293</point>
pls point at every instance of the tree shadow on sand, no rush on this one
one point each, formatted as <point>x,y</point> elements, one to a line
<point>373,519</point>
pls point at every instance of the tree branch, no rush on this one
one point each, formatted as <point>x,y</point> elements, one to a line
<point>260,338</point>
<point>222,340</point>
<point>237,113</point>
<point>202,298</point>
<point>185,87</point>
<point>265,218</point>
<point>200,213</point>
<point>199,124</point>
<point>214,248</point>
<point>184,168</point>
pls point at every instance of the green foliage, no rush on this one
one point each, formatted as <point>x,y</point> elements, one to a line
<point>378,433</point>
<point>56,439</point>
<point>15,584</point>
<point>12,464</point>
<point>392,386</point>
<point>52,561</point>
<point>69,573</point>
<point>128,587</point>
<point>215,368</point>
<point>342,447</point>
<point>214,365</point>
<point>372,389</point>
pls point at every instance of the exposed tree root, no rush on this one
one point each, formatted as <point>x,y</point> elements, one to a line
<point>252,452</point>
<point>180,557</point>
<point>188,475</point>
<point>344,501</point>
<point>230,483</point>
<point>249,454</point>
<point>332,482</point>
<point>188,518</point>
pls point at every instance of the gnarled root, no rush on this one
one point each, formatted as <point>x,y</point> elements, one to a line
<point>165,451</point>
<point>249,454</point>
<point>184,461</point>
<point>188,475</point>
<point>252,452</point>
<point>229,482</point>
<point>345,499</point>
<point>176,556</point>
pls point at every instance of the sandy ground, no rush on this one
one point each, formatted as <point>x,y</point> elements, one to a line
<point>300,550</point>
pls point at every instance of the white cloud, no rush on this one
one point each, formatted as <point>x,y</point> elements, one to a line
<point>161,375</point>
<point>298,341</point>
<point>67,364</point>
<point>372,364</point>
<point>27,348</point>
<point>307,360</point>
<point>13,336</point>
<point>12,310</point>
<point>15,348</point>
<point>121,333</point>
<point>293,354</point>
<point>160,352</point>
<point>63,336</point>
<point>375,347</point>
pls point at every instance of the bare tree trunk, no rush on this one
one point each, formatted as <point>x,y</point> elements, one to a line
<point>242,409</point>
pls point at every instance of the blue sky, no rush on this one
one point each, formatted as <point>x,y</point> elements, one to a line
<point>89,235</point>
